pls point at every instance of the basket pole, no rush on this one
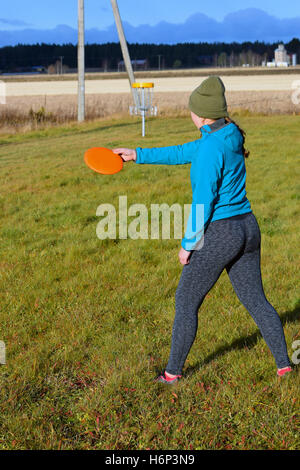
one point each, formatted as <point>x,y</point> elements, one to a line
<point>143,112</point>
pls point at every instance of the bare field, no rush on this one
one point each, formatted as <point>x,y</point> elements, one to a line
<point>162,85</point>
<point>202,72</point>
<point>112,103</point>
<point>30,104</point>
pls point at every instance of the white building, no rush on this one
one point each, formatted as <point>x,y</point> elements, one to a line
<point>282,59</point>
<point>294,60</point>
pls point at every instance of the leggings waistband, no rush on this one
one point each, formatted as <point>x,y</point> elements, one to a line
<point>234,217</point>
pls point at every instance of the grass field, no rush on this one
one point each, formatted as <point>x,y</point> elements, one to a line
<point>87,323</point>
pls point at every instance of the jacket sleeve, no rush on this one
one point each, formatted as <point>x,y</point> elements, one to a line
<point>208,171</point>
<point>174,155</point>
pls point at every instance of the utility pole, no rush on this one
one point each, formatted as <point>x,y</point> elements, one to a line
<point>80,61</point>
<point>159,56</point>
<point>61,64</point>
<point>124,48</point>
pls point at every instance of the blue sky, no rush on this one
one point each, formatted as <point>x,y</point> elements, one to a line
<point>19,15</point>
<point>44,14</point>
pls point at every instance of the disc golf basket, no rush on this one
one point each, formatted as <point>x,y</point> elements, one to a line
<point>143,99</point>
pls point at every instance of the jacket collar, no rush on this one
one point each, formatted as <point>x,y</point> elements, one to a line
<point>215,126</point>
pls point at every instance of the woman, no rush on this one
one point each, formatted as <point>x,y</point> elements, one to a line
<point>231,233</point>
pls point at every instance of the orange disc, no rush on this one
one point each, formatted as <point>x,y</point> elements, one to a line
<point>103,160</point>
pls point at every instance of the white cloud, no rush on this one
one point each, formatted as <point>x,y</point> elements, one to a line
<point>13,22</point>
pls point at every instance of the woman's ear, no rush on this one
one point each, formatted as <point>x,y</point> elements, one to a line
<point>198,121</point>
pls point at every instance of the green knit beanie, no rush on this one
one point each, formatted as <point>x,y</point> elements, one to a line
<point>208,100</point>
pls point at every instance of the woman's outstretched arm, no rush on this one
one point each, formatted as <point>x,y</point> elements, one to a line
<point>173,155</point>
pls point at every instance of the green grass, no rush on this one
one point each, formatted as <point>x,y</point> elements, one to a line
<point>87,323</point>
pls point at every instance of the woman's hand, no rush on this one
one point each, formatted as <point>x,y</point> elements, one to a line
<point>126,154</point>
<point>184,256</point>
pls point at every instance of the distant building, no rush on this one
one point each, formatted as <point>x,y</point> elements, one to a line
<point>137,64</point>
<point>281,59</point>
<point>281,55</point>
<point>294,60</point>
<point>39,69</point>
<point>29,70</point>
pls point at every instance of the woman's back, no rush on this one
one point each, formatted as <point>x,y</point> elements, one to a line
<point>226,143</point>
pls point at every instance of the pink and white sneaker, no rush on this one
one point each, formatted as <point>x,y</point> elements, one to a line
<point>165,379</point>
<point>284,371</point>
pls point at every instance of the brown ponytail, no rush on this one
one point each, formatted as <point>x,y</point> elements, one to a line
<point>245,152</point>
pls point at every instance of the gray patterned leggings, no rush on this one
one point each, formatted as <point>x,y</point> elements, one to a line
<point>234,244</point>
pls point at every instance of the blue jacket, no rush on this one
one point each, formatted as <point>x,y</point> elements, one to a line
<point>218,176</point>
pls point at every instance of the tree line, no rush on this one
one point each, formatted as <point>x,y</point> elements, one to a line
<point>108,56</point>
